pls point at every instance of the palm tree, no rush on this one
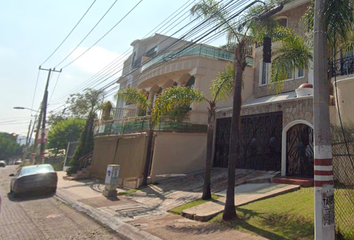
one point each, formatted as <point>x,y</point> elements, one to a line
<point>171,99</point>
<point>238,35</point>
<point>220,89</point>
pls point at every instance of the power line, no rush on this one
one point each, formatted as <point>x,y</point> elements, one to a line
<point>200,38</point>
<point>69,32</point>
<point>103,35</point>
<point>35,88</point>
<point>88,33</point>
<point>56,82</point>
<point>114,63</point>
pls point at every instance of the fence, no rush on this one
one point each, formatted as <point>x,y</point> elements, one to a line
<point>343,169</point>
<point>140,124</point>
<point>197,50</point>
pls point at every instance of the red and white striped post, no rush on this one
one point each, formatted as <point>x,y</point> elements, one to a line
<point>323,169</point>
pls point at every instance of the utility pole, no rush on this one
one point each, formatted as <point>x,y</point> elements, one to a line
<point>35,144</point>
<point>27,142</point>
<point>44,111</point>
<point>323,173</point>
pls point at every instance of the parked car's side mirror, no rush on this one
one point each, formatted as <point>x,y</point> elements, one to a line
<point>11,175</point>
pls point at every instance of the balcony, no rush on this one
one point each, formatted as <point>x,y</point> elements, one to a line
<point>142,124</point>
<point>342,67</point>
<point>196,50</point>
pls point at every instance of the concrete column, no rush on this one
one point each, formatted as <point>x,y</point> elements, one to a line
<point>323,168</point>
<point>151,100</point>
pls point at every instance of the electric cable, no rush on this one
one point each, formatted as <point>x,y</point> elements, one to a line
<point>69,33</point>
<point>88,32</point>
<point>101,37</point>
<point>172,16</point>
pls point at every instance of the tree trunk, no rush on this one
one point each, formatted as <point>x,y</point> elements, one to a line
<point>240,64</point>
<point>148,155</point>
<point>209,155</point>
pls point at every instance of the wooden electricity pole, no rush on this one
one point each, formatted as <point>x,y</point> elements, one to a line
<point>44,112</point>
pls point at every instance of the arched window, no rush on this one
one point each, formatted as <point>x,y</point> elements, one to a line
<point>190,82</point>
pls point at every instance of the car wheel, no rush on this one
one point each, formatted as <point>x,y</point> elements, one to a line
<point>53,190</point>
<point>13,193</point>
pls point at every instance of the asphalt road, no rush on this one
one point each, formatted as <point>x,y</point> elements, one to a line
<point>40,216</point>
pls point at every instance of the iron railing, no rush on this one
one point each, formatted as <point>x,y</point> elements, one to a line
<point>197,50</point>
<point>121,113</point>
<point>85,161</point>
<point>141,124</point>
<point>342,67</point>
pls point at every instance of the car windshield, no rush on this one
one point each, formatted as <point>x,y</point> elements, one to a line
<point>36,169</point>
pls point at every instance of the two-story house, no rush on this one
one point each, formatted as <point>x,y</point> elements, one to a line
<point>277,130</point>
<point>157,63</point>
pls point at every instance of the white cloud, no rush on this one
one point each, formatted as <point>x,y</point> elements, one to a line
<point>95,59</point>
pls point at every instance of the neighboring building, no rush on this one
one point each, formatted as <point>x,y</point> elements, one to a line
<point>179,147</point>
<point>277,130</point>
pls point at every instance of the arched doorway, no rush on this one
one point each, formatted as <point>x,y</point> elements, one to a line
<point>299,150</point>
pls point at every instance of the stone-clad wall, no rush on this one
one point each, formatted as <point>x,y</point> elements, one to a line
<point>292,110</point>
<point>294,22</point>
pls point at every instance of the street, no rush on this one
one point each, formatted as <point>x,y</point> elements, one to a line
<point>41,216</point>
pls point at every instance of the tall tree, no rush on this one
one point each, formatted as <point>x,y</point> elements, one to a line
<point>82,104</point>
<point>9,146</point>
<point>86,141</point>
<point>238,35</point>
<point>220,89</point>
<point>171,99</point>
<point>63,132</point>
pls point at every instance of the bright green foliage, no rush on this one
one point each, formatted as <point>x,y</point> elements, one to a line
<point>134,96</point>
<point>63,132</point>
<point>292,53</point>
<point>338,17</point>
<point>81,104</point>
<point>8,146</point>
<point>174,98</point>
<point>86,141</point>
<point>222,86</point>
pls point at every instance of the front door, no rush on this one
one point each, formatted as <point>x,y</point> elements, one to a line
<point>299,151</point>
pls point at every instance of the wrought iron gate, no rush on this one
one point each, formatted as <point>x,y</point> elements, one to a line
<point>299,151</point>
<point>260,142</point>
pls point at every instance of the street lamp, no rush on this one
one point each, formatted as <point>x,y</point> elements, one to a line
<point>30,132</point>
<point>21,108</point>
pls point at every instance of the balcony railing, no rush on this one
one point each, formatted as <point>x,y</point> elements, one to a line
<point>141,124</point>
<point>196,50</point>
<point>342,67</point>
<point>121,113</point>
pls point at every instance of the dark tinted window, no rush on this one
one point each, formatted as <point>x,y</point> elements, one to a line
<point>36,169</point>
<point>283,22</point>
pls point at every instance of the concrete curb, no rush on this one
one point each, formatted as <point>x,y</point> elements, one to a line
<point>123,230</point>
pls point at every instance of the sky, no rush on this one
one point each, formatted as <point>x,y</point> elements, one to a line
<point>32,29</point>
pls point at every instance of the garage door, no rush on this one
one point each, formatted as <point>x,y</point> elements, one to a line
<point>260,142</point>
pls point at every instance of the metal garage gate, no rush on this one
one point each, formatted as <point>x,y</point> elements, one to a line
<point>260,142</point>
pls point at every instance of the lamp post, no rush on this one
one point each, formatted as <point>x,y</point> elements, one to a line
<point>30,136</point>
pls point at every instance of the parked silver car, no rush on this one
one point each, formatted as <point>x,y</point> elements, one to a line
<point>2,163</point>
<point>32,178</point>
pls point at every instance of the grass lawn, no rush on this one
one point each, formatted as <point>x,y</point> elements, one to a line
<point>288,216</point>
<point>178,210</point>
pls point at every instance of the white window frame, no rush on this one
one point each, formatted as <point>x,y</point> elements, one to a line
<point>261,73</point>
<point>297,73</point>
<point>283,17</point>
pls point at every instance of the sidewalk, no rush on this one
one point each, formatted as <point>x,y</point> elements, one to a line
<point>143,214</point>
